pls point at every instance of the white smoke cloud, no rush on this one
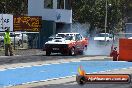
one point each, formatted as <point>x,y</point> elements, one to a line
<point>94,47</point>
<point>81,28</point>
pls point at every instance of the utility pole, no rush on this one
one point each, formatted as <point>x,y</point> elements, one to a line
<point>106,18</point>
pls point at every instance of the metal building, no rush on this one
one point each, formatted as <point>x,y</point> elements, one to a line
<point>56,16</point>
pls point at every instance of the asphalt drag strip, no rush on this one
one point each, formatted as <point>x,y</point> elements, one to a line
<point>23,75</point>
<point>35,58</point>
<point>71,83</point>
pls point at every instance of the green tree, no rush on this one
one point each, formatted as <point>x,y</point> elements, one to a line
<point>15,7</point>
<point>93,11</point>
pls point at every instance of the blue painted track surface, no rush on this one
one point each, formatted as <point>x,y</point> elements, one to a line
<point>44,72</point>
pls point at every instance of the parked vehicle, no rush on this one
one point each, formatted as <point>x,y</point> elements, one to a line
<point>17,36</point>
<point>1,40</point>
<point>66,44</point>
<point>20,35</point>
<point>130,38</point>
<point>101,37</point>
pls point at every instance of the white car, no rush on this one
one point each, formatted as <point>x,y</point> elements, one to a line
<point>66,44</point>
<point>1,40</point>
<point>18,38</point>
<point>101,37</point>
<point>130,38</point>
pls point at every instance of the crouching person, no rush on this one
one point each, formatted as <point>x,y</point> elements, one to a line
<point>7,43</point>
<point>115,54</point>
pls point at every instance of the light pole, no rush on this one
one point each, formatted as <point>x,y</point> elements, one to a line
<point>106,5</point>
<point>106,16</point>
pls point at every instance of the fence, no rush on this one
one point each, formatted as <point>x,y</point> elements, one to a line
<point>21,41</point>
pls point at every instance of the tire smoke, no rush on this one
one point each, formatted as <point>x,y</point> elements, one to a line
<point>94,47</point>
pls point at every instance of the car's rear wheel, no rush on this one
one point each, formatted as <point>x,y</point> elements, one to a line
<point>72,51</point>
<point>48,53</point>
<point>83,50</point>
<point>86,47</point>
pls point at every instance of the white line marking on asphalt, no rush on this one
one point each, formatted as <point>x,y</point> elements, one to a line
<point>103,71</point>
<point>115,69</point>
<point>60,78</point>
<point>36,65</point>
<point>42,80</point>
<point>124,68</point>
<point>50,64</point>
<point>130,67</point>
<point>13,68</point>
<point>94,72</point>
<point>108,70</point>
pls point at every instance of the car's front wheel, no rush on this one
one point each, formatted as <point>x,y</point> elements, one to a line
<point>72,51</point>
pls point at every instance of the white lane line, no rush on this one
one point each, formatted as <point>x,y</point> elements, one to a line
<point>42,80</point>
<point>37,65</point>
<point>103,71</point>
<point>130,67</point>
<point>115,69</point>
<point>124,68</point>
<point>108,70</point>
<point>47,64</point>
<point>93,72</point>
<point>60,78</point>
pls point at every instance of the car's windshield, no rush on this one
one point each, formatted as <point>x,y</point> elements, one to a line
<point>66,36</point>
<point>69,37</point>
<point>61,35</point>
<point>58,38</point>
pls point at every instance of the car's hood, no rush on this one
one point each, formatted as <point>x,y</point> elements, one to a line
<point>59,41</point>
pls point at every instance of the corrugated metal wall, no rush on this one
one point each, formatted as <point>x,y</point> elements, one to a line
<point>48,29</point>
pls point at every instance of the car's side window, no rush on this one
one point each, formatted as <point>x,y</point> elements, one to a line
<point>74,37</point>
<point>77,37</point>
<point>110,35</point>
<point>80,37</point>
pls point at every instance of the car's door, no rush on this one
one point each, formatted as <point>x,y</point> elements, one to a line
<point>84,42</point>
<point>78,42</point>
